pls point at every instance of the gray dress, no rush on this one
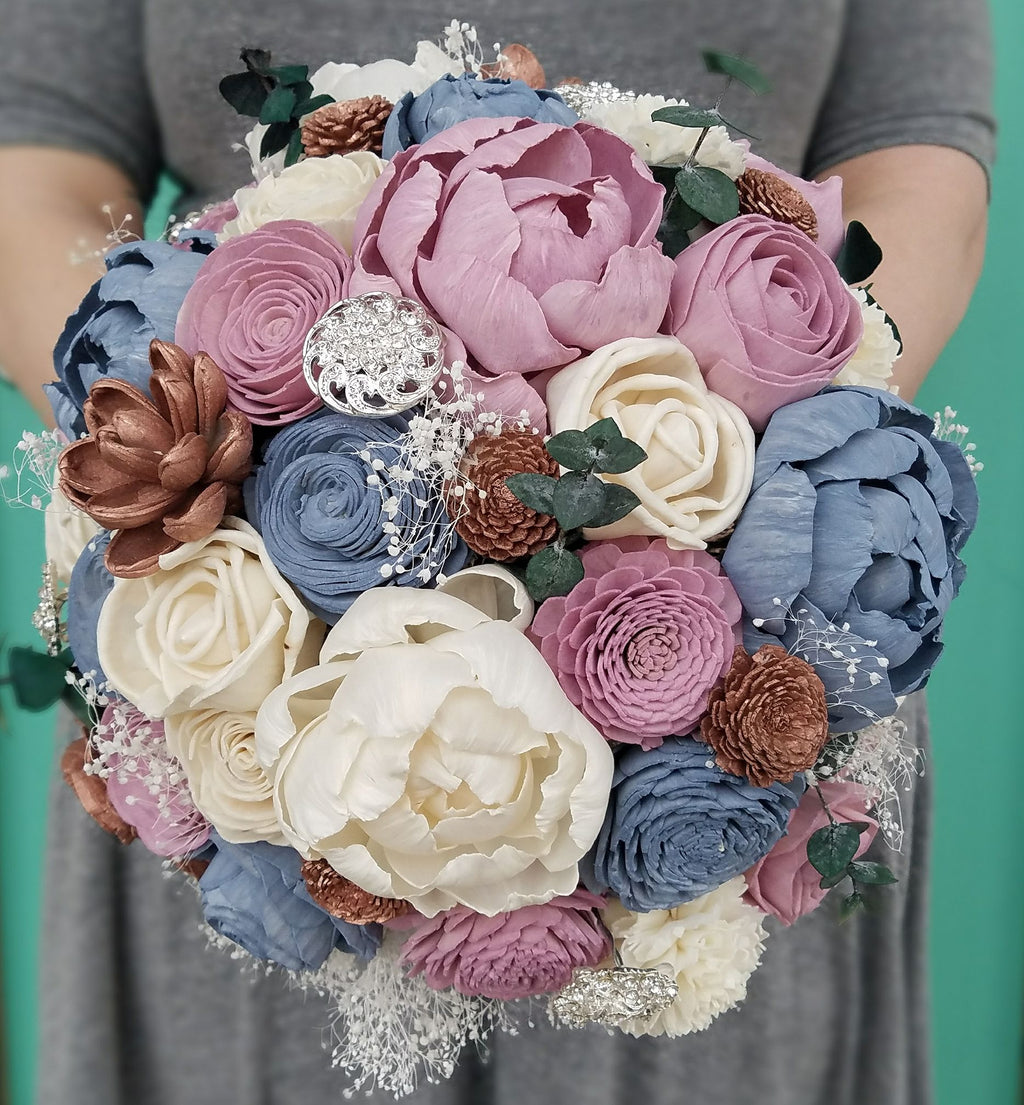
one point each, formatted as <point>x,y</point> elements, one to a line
<point>135,1009</point>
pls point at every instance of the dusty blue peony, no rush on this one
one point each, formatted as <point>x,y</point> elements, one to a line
<point>856,520</point>
<point>88,587</point>
<point>452,100</point>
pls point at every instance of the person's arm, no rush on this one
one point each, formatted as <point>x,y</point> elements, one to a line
<point>927,208</point>
<point>52,223</point>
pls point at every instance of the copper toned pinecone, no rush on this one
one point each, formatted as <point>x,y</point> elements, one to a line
<point>162,471</point>
<point>767,719</point>
<point>340,897</point>
<point>491,520</point>
<point>91,791</point>
<point>518,63</point>
<point>346,127</point>
<point>764,193</point>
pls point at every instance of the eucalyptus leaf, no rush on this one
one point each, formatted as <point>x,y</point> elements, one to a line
<point>739,69</point>
<point>553,571</point>
<point>619,456</point>
<point>677,222</point>
<point>709,192</point>
<point>827,883</point>
<point>850,905</point>
<point>577,498</point>
<point>307,107</point>
<point>860,254</point>
<point>618,502</point>
<point>277,108</point>
<point>37,679</point>
<point>294,151</point>
<point>572,449</point>
<point>665,175</point>
<point>534,490</point>
<point>245,92</point>
<point>289,74</point>
<point>687,116</point>
<point>275,138</point>
<point>871,874</point>
<point>831,848</point>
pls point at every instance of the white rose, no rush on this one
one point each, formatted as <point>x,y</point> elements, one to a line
<point>700,447</point>
<point>712,945</point>
<point>432,756</point>
<point>664,143</point>
<point>217,751</point>
<point>327,191</point>
<point>871,366</point>
<point>216,627</point>
<point>68,531</point>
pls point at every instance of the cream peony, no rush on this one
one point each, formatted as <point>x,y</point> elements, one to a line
<point>432,756</point>
<point>712,945</point>
<point>665,143</point>
<point>700,447</point>
<point>326,191</point>
<point>217,750</point>
<point>494,591</point>
<point>68,531</point>
<point>871,366</point>
<point>216,627</point>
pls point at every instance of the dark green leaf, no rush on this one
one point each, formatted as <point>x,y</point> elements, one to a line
<point>534,489</point>
<point>687,116</point>
<point>577,498</point>
<point>294,151</point>
<point>572,449</point>
<point>739,69</point>
<point>871,874</point>
<point>275,138</point>
<point>832,880</point>
<point>277,108</point>
<point>620,456</point>
<point>602,431</point>
<point>618,502</point>
<point>850,905</point>
<point>38,680</point>
<point>831,848</point>
<point>553,571</point>
<point>665,175</point>
<point>245,92</point>
<point>289,74</point>
<point>302,91</point>
<point>677,222</point>
<point>860,254</point>
<point>307,107</point>
<point>708,191</point>
<point>256,60</point>
<point>892,325</point>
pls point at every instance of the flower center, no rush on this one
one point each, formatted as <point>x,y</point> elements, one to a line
<point>650,652</point>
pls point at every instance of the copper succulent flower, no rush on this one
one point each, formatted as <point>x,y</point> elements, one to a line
<point>161,471</point>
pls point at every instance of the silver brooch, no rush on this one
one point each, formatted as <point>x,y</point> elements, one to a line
<point>373,355</point>
<point>46,617</point>
<point>582,97</point>
<point>611,995</point>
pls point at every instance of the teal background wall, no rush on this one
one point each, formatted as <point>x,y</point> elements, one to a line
<point>977,700</point>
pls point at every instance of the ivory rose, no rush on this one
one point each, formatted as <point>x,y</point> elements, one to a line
<point>68,531</point>
<point>432,756</point>
<point>216,627</point>
<point>700,447</point>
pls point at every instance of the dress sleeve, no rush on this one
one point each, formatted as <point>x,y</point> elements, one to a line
<point>909,72</point>
<point>72,75</point>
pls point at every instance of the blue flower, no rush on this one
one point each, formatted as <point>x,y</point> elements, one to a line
<point>88,588</point>
<point>851,537</point>
<point>451,100</point>
<point>109,335</point>
<point>324,525</point>
<point>678,825</point>
<point>254,894</point>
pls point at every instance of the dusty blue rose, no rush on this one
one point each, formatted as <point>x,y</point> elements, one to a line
<point>254,895</point>
<point>323,525</point>
<point>451,100</point>
<point>856,519</point>
<point>88,587</point>
<point>109,335</point>
<point>678,825</point>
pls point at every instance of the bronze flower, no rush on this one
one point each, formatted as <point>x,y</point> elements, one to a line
<point>340,897</point>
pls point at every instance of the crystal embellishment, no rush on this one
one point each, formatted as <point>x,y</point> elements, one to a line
<point>46,617</point>
<point>373,355</point>
<point>582,97</point>
<point>612,995</point>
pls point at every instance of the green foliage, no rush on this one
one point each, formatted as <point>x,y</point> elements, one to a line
<point>39,680</point>
<point>553,571</point>
<point>871,874</point>
<point>534,490</point>
<point>618,502</point>
<point>709,192</point>
<point>831,848</point>
<point>687,116</point>
<point>850,905</point>
<point>860,254</point>
<point>737,69</point>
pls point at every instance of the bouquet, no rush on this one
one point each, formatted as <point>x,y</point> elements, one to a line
<point>490,552</point>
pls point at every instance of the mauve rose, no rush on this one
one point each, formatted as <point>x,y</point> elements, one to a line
<point>532,950</point>
<point>250,308</point>
<point>784,883</point>
<point>530,241</point>
<point>765,312</point>
<point>640,641</point>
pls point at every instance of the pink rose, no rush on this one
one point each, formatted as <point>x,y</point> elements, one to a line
<point>640,641</point>
<point>784,883</point>
<point>529,241</point>
<point>765,312</point>
<point>532,950</point>
<point>250,308</point>
<point>147,785</point>
<point>826,197</point>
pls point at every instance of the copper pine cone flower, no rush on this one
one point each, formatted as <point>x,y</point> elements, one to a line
<point>767,719</point>
<point>161,471</point>
<point>341,898</point>
<point>91,791</point>
<point>763,193</point>
<point>496,524</point>
<point>346,127</point>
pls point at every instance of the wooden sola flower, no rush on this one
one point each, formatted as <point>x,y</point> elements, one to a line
<point>767,719</point>
<point>161,471</point>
